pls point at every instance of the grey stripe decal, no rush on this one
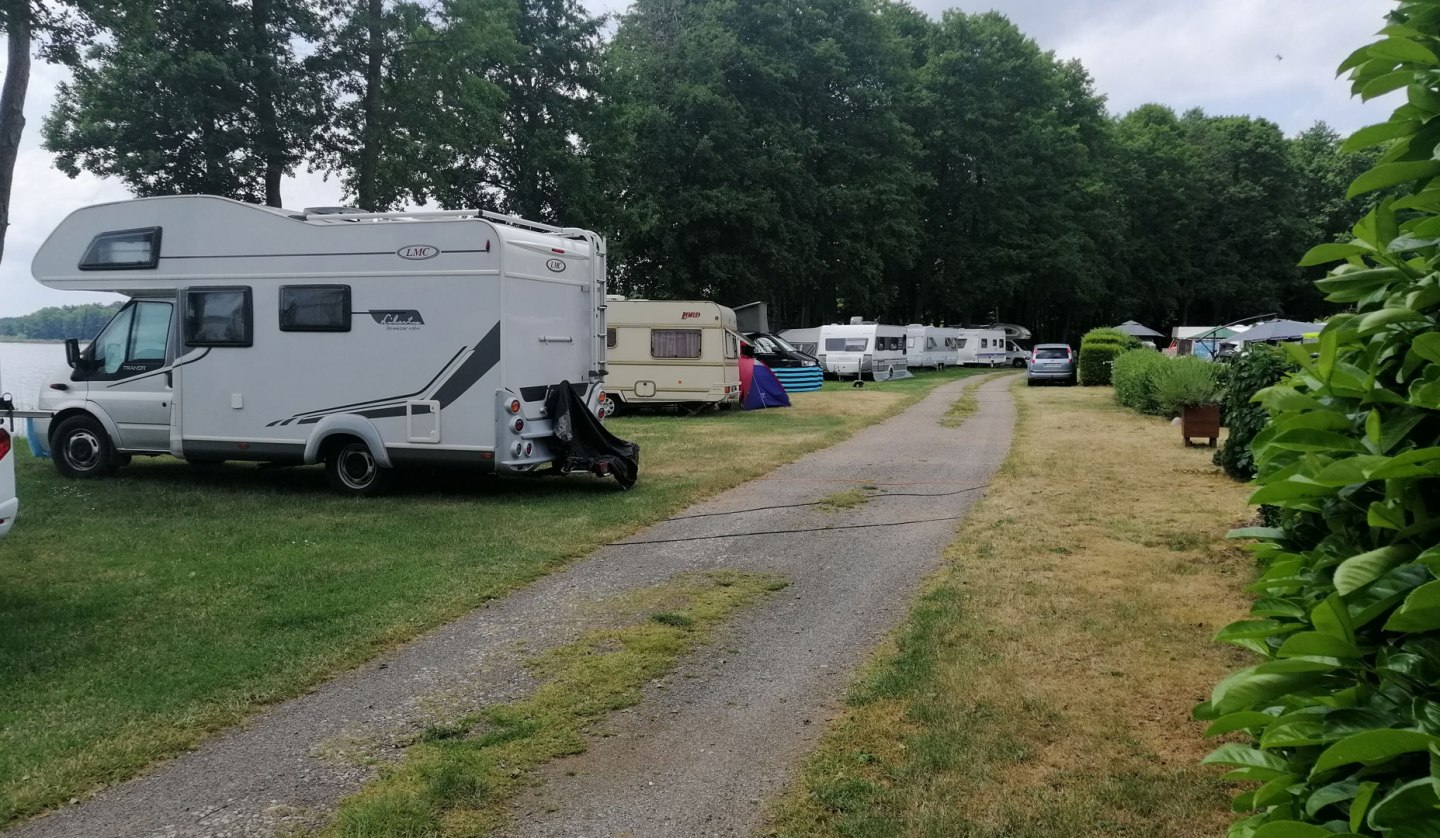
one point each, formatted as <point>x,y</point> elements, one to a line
<point>470,371</point>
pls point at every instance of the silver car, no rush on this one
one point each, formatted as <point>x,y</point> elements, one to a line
<point>1051,362</point>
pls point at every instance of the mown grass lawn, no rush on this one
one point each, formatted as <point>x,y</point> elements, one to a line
<point>1042,685</point>
<point>139,613</point>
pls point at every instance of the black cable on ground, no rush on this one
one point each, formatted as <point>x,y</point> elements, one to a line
<point>783,532</point>
<point>820,502</point>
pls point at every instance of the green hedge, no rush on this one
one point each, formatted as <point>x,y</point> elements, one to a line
<point>1341,704</point>
<point>1098,349</point>
<point>1258,367</point>
<point>1133,375</point>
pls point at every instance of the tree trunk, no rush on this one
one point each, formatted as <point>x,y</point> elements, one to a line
<point>271,147</point>
<point>367,188</point>
<point>12,106</point>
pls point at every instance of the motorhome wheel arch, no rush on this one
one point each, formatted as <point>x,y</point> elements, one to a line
<point>368,341</point>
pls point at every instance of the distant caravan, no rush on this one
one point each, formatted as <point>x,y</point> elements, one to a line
<point>669,352</point>
<point>855,349</point>
<point>370,342</point>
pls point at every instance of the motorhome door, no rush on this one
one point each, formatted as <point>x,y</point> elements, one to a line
<point>124,373</point>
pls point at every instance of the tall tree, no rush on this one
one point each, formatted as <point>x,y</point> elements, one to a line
<point>770,158</point>
<point>20,20</point>
<point>546,69</point>
<point>1012,140</point>
<point>190,96</point>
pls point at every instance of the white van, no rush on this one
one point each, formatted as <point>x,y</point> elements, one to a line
<point>367,341</point>
<point>855,349</point>
<point>671,352</point>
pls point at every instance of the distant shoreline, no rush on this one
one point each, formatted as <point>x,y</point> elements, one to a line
<point>8,339</point>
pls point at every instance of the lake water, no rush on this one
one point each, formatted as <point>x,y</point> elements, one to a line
<point>26,367</point>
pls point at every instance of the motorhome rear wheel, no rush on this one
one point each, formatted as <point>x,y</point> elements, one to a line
<point>83,449</point>
<point>352,470</point>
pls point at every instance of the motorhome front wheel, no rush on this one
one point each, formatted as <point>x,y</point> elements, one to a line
<point>82,448</point>
<point>352,470</point>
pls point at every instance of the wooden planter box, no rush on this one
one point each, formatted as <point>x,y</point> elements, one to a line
<point>1200,423</point>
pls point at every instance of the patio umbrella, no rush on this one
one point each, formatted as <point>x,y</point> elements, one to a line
<point>1130,327</point>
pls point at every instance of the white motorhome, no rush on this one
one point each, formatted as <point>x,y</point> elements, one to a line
<point>671,352</point>
<point>983,347</point>
<point>367,341</point>
<point>855,349</point>
<point>937,347</point>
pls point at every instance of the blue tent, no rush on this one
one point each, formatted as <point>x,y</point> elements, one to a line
<point>765,390</point>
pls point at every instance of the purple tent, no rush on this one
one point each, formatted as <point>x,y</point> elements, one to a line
<point>765,390</point>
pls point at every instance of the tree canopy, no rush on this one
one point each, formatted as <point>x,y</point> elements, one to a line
<point>832,157</point>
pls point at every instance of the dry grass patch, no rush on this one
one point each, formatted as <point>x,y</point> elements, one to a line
<point>1043,684</point>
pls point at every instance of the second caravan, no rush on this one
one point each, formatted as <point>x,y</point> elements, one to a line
<point>669,352</point>
<point>855,349</point>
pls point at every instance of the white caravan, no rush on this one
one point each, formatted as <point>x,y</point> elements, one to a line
<point>671,352</point>
<point>937,347</point>
<point>855,349</point>
<point>983,347</point>
<point>368,341</point>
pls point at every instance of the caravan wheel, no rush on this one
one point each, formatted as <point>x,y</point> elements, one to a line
<point>81,448</point>
<point>352,470</point>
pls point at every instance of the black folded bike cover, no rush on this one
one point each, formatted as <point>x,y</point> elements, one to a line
<point>584,443</point>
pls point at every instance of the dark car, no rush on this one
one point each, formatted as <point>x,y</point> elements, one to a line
<point>797,371</point>
<point>1051,362</point>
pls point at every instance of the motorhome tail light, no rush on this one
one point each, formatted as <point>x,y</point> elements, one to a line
<point>513,406</point>
<point>518,425</point>
<point>518,448</point>
<point>529,448</point>
<point>4,443</point>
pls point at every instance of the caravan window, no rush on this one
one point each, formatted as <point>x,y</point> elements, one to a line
<point>123,250</point>
<point>846,344</point>
<point>315,308</point>
<point>960,342</point>
<point>219,317</point>
<point>610,338</point>
<point>732,346</point>
<point>674,343</point>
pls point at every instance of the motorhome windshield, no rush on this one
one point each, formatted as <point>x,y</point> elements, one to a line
<point>846,344</point>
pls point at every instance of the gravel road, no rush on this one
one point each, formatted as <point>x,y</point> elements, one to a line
<point>708,744</point>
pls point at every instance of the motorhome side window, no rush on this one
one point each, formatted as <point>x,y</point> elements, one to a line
<point>219,317</point>
<point>675,343</point>
<point>122,250</point>
<point>315,308</point>
<point>846,344</point>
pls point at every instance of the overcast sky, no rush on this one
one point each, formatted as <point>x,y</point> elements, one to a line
<point>1269,58</point>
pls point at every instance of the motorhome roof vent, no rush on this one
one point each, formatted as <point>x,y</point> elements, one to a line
<point>857,321</point>
<point>333,211</point>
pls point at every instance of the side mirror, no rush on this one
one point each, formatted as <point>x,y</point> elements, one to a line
<point>72,353</point>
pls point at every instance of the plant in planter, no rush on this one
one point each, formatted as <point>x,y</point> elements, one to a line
<point>1190,388</point>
